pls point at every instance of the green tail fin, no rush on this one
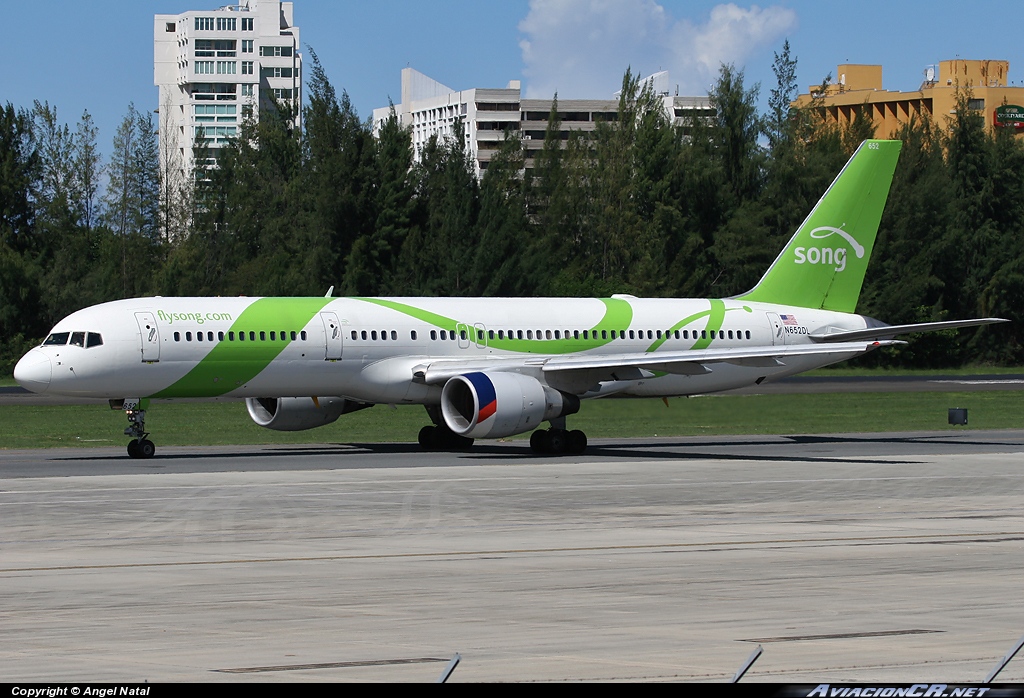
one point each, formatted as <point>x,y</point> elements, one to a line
<point>824,263</point>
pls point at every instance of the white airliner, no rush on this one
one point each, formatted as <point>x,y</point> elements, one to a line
<point>485,367</point>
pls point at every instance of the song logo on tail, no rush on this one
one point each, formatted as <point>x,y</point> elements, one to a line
<point>828,255</point>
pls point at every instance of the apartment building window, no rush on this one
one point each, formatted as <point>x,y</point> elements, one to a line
<point>247,90</point>
<point>271,51</point>
<point>275,72</point>
<point>246,45</point>
<point>246,70</point>
<point>209,47</point>
<point>279,93</point>
<point>225,67</point>
<point>204,67</point>
<point>204,24</point>
<point>225,24</point>
<point>247,24</point>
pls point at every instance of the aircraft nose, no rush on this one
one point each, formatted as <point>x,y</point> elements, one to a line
<point>34,371</point>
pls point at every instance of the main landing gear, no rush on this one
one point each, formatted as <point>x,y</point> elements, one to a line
<point>438,437</point>
<point>558,441</point>
<point>139,446</point>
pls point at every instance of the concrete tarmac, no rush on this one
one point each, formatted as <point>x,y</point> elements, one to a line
<point>882,557</point>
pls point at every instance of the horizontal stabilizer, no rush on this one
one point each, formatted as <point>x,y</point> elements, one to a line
<point>889,331</point>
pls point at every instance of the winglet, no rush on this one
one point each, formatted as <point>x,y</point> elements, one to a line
<point>824,263</point>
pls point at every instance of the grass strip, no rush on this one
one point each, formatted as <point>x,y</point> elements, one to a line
<point>224,423</point>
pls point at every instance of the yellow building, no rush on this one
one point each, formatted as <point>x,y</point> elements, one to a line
<point>859,88</point>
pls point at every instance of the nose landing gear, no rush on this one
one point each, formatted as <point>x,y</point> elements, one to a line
<point>139,446</point>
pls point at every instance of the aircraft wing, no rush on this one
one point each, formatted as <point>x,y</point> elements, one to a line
<point>628,366</point>
<point>890,331</point>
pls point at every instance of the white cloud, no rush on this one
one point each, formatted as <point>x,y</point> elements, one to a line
<point>581,48</point>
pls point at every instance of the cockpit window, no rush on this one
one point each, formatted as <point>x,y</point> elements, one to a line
<point>57,339</point>
<point>95,340</point>
<point>78,339</point>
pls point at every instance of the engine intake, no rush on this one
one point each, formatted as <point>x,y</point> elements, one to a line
<point>493,405</point>
<point>299,413</point>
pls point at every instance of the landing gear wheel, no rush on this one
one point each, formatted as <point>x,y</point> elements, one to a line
<point>577,442</point>
<point>539,441</point>
<point>141,449</point>
<point>558,441</point>
<point>427,437</point>
<point>441,438</point>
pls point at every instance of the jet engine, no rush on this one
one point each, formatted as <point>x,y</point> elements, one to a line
<point>299,413</point>
<point>493,405</point>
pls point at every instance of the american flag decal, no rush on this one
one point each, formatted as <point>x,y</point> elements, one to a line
<point>788,319</point>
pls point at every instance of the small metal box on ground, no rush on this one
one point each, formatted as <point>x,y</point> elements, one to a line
<point>958,415</point>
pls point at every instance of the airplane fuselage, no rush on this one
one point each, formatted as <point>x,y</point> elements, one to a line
<point>377,350</point>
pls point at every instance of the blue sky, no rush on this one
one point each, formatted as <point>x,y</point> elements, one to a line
<point>98,54</point>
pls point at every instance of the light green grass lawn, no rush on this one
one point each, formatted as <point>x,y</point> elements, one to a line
<point>212,423</point>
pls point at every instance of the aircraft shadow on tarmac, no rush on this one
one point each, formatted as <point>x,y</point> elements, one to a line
<point>661,449</point>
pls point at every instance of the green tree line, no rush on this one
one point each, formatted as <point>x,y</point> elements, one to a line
<point>640,205</point>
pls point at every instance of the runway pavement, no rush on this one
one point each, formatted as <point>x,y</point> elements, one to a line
<point>882,557</point>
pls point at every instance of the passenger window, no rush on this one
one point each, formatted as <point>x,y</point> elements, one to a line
<point>730,334</point>
<point>303,335</point>
<point>177,336</point>
<point>273,336</point>
<point>604,334</point>
<point>703,334</point>
<point>57,339</point>
<point>355,335</point>
<point>188,336</point>
<point>433,334</point>
<point>241,336</point>
<point>294,335</point>
<point>252,336</point>
<point>677,334</point>
<point>394,335</point>
<point>748,334</point>
<point>78,339</point>
<point>373,335</point>
<point>220,336</point>
<point>462,334</point>
<point>412,335</point>
<point>444,335</point>
<point>490,334</point>
<point>263,336</point>
<point>519,334</point>
<point>199,336</point>
<point>231,336</point>
<point>575,334</point>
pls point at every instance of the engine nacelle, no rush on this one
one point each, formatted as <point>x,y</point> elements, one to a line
<point>493,405</point>
<point>299,413</point>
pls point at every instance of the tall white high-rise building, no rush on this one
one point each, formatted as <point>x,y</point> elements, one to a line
<point>214,67</point>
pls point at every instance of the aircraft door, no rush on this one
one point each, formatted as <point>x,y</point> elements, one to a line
<point>332,331</point>
<point>464,333</point>
<point>150,336</point>
<point>778,331</point>
<point>480,335</point>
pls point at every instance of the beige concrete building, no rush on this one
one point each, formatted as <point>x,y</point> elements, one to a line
<point>859,88</point>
